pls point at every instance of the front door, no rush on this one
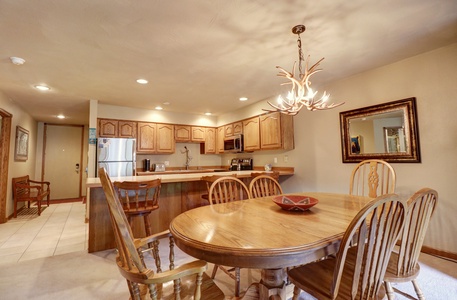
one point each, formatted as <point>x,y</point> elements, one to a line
<point>63,160</point>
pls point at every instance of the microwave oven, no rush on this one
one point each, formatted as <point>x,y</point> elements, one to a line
<point>233,143</point>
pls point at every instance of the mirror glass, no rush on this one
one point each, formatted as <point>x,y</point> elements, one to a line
<point>386,131</point>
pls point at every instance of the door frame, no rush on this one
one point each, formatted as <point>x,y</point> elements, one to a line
<point>43,160</point>
<point>5,137</point>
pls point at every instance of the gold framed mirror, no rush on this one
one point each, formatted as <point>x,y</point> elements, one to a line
<point>387,131</point>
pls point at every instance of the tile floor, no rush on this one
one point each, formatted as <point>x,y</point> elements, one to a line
<point>60,229</point>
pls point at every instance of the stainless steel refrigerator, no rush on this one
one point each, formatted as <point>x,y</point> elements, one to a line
<point>117,156</point>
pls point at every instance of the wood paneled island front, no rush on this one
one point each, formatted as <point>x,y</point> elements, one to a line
<point>179,193</point>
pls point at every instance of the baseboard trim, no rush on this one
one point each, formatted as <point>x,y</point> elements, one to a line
<point>440,253</point>
<point>57,201</point>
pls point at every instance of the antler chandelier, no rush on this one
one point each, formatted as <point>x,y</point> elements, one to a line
<point>301,95</point>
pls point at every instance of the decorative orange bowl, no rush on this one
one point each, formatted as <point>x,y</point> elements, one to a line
<point>295,202</point>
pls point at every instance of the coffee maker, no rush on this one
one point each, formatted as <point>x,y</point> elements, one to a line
<point>241,164</point>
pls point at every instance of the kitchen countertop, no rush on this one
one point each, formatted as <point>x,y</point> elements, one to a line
<point>178,176</point>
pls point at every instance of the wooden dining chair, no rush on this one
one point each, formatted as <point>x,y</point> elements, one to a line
<point>139,199</point>
<point>403,264</point>
<point>358,269</point>
<point>188,279</point>
<point>263,186</point>
<point>209,180</point>
<point>372,178</point>
<point>223,190</point>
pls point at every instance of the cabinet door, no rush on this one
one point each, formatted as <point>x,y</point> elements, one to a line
<point>147,135</point>
<point>228,129</point>
<point>198,134</point>
<point>220,135</point>
<point>210,141</point>
<point>165,138</point>
<point>127,129</point>
<point>107,128</point>
<point>238,128</point>
<point>182,133</point>
<point>251,134</point>
<point>270,131</point>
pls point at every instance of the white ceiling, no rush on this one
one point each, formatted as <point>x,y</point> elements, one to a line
<point>199,55</point>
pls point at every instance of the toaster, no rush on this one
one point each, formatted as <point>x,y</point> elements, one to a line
<point>159,167</point>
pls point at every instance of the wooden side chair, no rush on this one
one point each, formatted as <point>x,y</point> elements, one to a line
<point>263,186</point>
<point>27,190</point>
<point>188,279</point>
<point>223,190</point>
<point>358,269</point>
<point>372,178</point>
<point>209,180</point>
<point>403,265</point>
<point>139,199</point>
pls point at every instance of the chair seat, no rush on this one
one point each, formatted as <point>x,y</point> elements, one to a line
<point>316,278</point>
<point>209,290</point>
<point>391,272</point>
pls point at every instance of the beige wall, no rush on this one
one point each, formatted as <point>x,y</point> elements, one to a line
<point>19,168</point>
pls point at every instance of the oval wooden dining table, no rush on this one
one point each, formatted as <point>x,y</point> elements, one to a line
<point>257,233</point>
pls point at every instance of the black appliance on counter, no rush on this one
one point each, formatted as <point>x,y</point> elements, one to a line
<point>241,164</point>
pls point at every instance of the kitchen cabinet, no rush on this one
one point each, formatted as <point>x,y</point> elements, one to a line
<point>165,138</point>
<point>182,133</point>
<point>251,130</point>
<point>238,128</point>
<point>198,134</point>
<point>116,128</point>
<point>209,147</point>
<point>276,131</point>
<point>220,135</point>
<point>155,138</point>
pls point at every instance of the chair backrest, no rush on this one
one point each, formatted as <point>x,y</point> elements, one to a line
<point>421,206</point>
<point>228,189</point>
<point>263,186</point>
<point>138,196</point>
<point>369,239</point>
<point>128,258</point>
<point>274,174</point>
<point>372,178</point>
<point>210,179</point>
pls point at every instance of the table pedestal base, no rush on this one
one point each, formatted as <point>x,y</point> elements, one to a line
<point>272,284</point>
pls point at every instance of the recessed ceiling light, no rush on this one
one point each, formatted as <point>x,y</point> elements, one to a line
<point>42,87</point>
<point>142,81</point>
<point>243,99</point>
<point>208,113</point>
<point>159,107</point>
<point>61,116</point>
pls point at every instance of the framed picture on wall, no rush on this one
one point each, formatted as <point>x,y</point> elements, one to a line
<point>355,144</point>
<point>21,151</point>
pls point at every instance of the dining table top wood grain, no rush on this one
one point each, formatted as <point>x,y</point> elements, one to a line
<point>257,233</point>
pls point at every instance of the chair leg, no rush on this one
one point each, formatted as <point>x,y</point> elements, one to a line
<point>237,281</point>
<point>389,290</point>
<point>38,203</point>
<point>297,292</point>
<point>419,293</point>
<point>214,271</point>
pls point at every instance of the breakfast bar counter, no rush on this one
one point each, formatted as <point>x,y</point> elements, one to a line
<point>180,191</point>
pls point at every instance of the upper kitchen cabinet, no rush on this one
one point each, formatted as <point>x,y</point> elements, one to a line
<point>198,134</point>
<point>251,130</point>
<point>116,128</point>
<point>209,147</point>
<point>276,131</point>
<point>233,129</point>
<point>182,133</point>
<point>155,138</point>
<point>220,135</point>
<point>127,129</point>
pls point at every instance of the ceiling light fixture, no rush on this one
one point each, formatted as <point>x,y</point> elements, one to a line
<point>142,81</point>
<point>243,99</point>
<point>301,95</point>
<point>42,87</point>
<point>159,107</point>
<point>17,60</point>
<point>207,114</point>
<point>61,116</point>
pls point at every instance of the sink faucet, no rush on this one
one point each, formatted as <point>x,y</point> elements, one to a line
<point>188,158</point>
